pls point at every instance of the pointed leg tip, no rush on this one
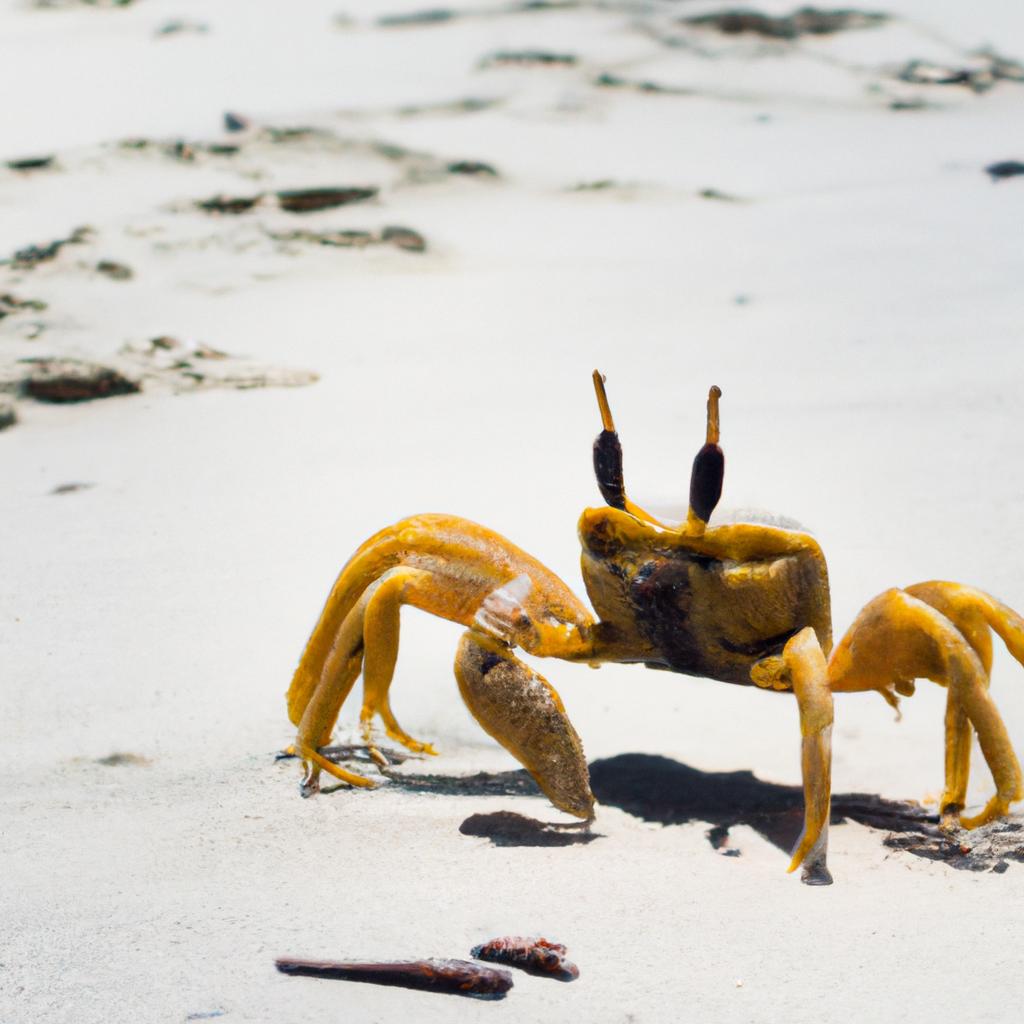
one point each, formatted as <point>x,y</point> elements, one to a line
<point>816,874</point>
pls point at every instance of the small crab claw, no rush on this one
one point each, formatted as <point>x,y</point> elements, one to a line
<point>522,711</point>
<point>708,471</point>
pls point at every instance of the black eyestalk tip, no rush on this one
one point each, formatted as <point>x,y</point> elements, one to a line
<point>708,470</point>
<point>608,452</point>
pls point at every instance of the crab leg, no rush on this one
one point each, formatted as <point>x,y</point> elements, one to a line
<point>805,664</point>
<point>380,652</point>
<point>898,638</point>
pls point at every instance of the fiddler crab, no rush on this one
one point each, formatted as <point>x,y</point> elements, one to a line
<point>743,603</point>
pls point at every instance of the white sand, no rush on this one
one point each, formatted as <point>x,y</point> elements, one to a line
<point>872,375</point>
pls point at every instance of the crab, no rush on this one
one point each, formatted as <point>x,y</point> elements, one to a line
<point>742,603</point>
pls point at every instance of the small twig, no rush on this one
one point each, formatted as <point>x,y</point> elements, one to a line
<point>456,977</point>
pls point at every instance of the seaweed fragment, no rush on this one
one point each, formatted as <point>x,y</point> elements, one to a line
<point>534,955</point>
<point>802,22</point>
<point>309,200</point>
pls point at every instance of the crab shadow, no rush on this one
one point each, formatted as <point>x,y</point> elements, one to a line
<point>659,789</point>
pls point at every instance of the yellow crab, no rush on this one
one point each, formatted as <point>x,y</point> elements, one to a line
<point>742,603</point>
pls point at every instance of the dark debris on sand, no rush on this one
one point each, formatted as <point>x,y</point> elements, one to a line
<point>472,169</point>
<point>71,488</point>
<point>443,15</point>
<point>32,255</point>
<point>10,304</point>
<point>31,163</point>
<point>528,58</point>
<point>72,380</point>
<point>431,16</point>
<point>1004,169</point>
<point>981,76</point>
<point>309,200</point>
<point>114,270</point>
<point>802,22</point>
<point>989,848</point>
<point>399,237</point>
<point>610,81</point>
<point>228,204</point>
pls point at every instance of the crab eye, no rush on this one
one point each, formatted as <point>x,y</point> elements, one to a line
<point>709,466</point>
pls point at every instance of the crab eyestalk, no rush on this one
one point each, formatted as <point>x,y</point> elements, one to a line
<point>708,471</point>
<point>608,452</point>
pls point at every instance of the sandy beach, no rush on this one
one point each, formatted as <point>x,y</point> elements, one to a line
<point>516,193</point>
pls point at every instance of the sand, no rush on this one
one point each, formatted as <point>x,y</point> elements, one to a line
<point>764,219</point>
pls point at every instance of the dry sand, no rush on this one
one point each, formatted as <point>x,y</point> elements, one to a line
<point>856,296</point>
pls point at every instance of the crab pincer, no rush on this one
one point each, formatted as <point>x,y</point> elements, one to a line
<point>533,955</point>
<point>456,977</point>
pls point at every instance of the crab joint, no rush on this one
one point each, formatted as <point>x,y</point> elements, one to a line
<point>708,468</point>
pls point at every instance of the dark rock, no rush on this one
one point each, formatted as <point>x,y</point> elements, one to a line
<point>8,417</point>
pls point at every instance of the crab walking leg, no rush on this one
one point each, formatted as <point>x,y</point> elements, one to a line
<point>897,638</point>
<point>958,604</point>
<point>808,671</point>
<point>368,639</point>
<point>959,735</point>
<point>381,626</point>
<point>339,673</point>
<point>524,713</point>
<point>974,613</point>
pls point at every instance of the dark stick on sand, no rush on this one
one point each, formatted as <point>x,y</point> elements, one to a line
<point>457,977</point>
